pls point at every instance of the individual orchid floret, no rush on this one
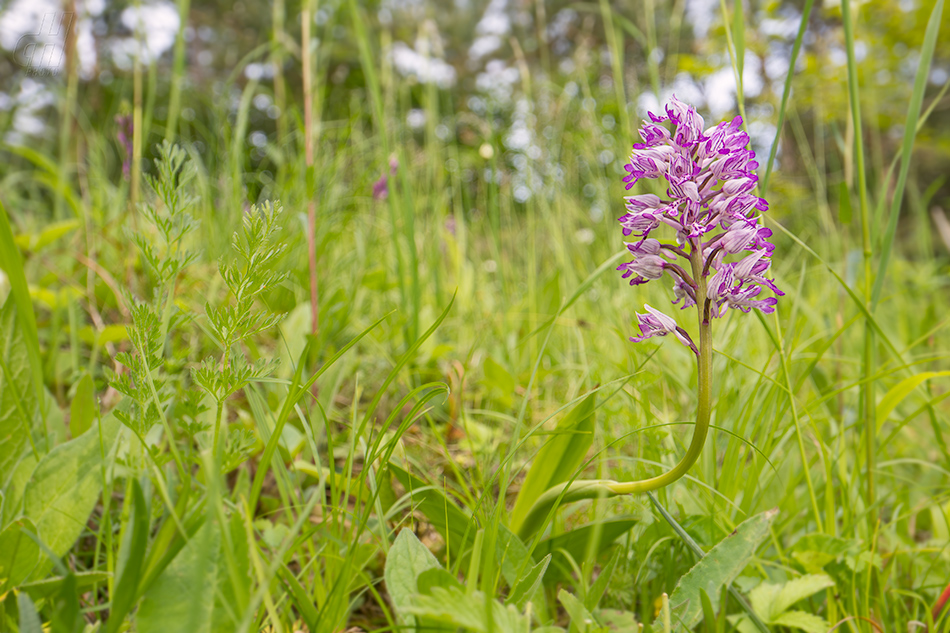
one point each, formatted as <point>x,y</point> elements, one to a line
<point>658,324</point>
<point>643,269</point>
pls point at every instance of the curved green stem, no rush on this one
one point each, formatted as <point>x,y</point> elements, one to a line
<point>580,489</point>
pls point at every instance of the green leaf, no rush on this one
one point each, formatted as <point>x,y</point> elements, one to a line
<point>717,569</point>
<point>498,378</point>
<point>11,262</point>
<point>617,620</point>
<point>763,597</point>
<point>900,391</point>
<point>13,494</point>
<point>599,587</point>
<point>82,410</point>
<point>558,459</point>
<point>301,600</point>
<point>18,403</point>
<point>803,621</point>
<point>456,527</point>
<point>738,35</point>
<point>511,554</point>
<point>48,587</point>
<point>131,559</point>
<point>182,598</point>
<point>66,485</point>
<point>29,618</point>
<point>407,559</point>
<point>844,203</point>
<point>576,543</point>
<point>19,554</point>
<point>526,587</point>
<point>66,618</point>
<point>436,577</point>
<point>457,608</point>
<point>799,589</point>
<point>581,619</point>
<point>50,233</point>
<point>709,613</point>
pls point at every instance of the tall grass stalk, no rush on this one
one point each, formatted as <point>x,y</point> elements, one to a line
<point>136,167</point>
<point>867,389</point>
<point>68,109</point>
<point>278,35</point>
<point>306,58</point>
<point>178,73</point>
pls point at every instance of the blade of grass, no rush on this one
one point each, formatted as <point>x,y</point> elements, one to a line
<point>867,390</point>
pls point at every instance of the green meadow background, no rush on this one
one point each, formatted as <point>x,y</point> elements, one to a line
<point>450,175</point>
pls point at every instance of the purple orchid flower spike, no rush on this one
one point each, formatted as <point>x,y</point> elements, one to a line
<point>718,258</point>
<point>124,135</point>
<point>381,188</point>
<point>710,175</point>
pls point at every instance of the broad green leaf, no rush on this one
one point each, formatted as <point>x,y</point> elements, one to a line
<point>82,410</point>
<point>182,598</point>
<point>50,233</point>
<point>48,587</point>
<point>407,558</point>
<point>13,495</point>
<point>511,554</point>
<point>581,618</point>
<point>763,597</point>
<point>900,391</point>
<point>39,159</point>
<point>527,586</point>
<point>19,554</point>
<point>617,620</point>
<point>131,559</point>
<point>799,589</point>
<point>456,527</point>
<point>12,264</point>
<point>803,621</point>
<point>717,569</point>
<point>436,577</point>
<point>109,334</point>
<point>457,608</point>
<point>18,404</point>
<point>66,618</point>
<point>599,587</point>
<point>558,459</point>
<point>498,378</point>
<point>66,484</point>
<point>576,543</point>
<point>29,618</point>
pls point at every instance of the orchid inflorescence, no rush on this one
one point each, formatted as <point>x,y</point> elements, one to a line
<point>711,175</point>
